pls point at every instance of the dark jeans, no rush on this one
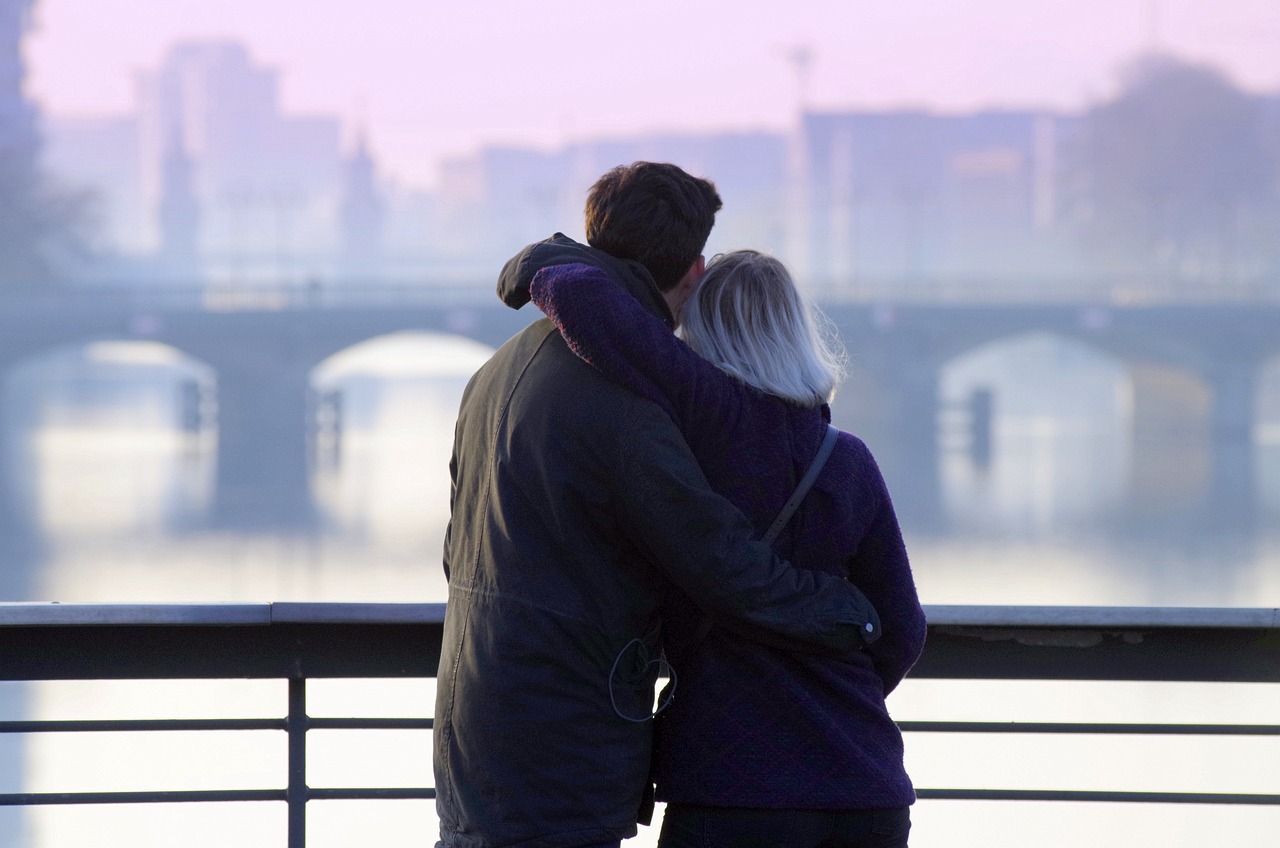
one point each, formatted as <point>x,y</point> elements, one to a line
<point>688,826</point>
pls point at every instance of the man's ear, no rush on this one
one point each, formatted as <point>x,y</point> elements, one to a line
<point>689,281</point>
<point>678,295</point>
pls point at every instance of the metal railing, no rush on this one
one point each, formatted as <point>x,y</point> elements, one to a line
<point>298,642</point>
<point>1101,643</point>
<point>294,642</point>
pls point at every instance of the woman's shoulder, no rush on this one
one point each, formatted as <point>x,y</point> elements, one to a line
<point>853,449</point>
<point>852,468</point>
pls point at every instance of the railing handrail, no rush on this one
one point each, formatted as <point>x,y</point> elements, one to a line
<point>1102,616</point>
<point>53,613</point>
<point>288,639</point>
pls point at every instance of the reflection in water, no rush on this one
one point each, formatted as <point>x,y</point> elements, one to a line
<point>1267,434</point>
<point>108,444</point>
<point>1059,438</point>
<point>385,472</point>
<point>1070,502</point>
<point>1097,489</point>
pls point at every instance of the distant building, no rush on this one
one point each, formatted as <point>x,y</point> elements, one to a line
<point>208,179</point>
<point>361,216</point>
<point>854,201</point>
<point>911,195</point>
<point>178,214</point>
<point>496,200</point>
<point>265,182</point>
<point>18,139</point>
<point>848,197</point>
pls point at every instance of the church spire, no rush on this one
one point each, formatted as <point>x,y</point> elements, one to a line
<point>178,211</point>
<point>361,213</point>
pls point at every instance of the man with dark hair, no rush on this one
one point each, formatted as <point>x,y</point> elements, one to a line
<point>576,508</point>
<point>654,214</point>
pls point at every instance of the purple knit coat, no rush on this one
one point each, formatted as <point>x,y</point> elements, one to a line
<point>751,725</point>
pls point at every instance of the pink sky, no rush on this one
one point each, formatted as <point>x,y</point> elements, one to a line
<point>441,78</point>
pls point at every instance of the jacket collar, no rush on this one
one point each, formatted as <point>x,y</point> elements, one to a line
<point>517,275</point>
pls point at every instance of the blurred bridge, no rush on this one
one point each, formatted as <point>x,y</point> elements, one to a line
<point>264,343</point>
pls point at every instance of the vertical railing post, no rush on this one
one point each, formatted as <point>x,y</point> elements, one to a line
<point>297,792</point>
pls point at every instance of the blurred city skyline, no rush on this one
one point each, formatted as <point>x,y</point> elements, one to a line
<point>1142,143</point>
<point>430,84</point>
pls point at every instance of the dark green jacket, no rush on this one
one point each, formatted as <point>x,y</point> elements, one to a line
<point>576,506</point>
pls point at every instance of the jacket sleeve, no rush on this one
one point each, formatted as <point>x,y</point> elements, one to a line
<point>881,568</point>
<point>706,546</point>
<point>610,330</point>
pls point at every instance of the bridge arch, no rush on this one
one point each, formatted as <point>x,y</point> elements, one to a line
<point>97,421</point>
<point>385,410</point>
<point>249,389</point>
<point>1011,411</point>
<point>264,363</point>
<point>1189,416</point>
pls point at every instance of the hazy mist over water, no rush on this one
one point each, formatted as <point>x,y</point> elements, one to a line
<point>117,491</point>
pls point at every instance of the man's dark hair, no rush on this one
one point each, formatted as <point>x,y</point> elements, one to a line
<point>654,213</point>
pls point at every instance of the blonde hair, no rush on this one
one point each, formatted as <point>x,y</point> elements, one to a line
<point>748,318</point>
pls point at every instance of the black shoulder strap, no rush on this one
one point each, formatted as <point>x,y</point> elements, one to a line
<point>803,487</point>
<point>788,509</point>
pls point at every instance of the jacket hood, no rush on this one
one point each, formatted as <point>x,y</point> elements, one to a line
<point>517,275</point>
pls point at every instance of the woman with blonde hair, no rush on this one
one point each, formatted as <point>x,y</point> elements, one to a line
<point>763,746</point>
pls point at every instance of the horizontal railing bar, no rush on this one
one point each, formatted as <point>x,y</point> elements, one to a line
<point>1104,617</point>
<point>371,723</point>
<point>354,613</point>
<point>243,795</point>
<point>35,799</point>
<point>1086,728</point>
<point>383,794</point>
<point>213,795</point>
<point>277,650</point>
<point>123,725</point>
<point>1091,796</point>
<point>53,614</point>
<point>29,614</point>
<point>89,615</point>
<point>210,724</point>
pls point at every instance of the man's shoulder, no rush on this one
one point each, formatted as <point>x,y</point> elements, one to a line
<point>538,370</point>
<point>557,368</point>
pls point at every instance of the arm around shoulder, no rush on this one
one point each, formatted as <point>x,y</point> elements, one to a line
<point>707,547</point>
<point>609,329</point>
